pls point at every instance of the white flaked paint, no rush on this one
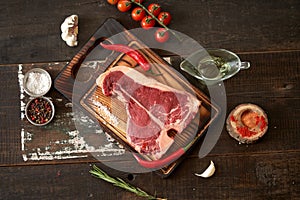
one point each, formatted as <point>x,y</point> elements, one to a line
<point>20,80</point>
<point>72,148</point>
<point>78,149</point>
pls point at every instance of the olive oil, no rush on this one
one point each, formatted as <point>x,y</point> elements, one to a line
<point>213,67</point>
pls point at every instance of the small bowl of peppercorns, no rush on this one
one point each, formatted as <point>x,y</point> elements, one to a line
<point>39,111</point>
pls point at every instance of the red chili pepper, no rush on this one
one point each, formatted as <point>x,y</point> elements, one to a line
<point>162,162</point>
<point>134,54</point>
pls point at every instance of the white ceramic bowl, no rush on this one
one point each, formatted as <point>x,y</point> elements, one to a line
<point>37,82</point>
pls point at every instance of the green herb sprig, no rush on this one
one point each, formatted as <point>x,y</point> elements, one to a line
<point>97,172</point>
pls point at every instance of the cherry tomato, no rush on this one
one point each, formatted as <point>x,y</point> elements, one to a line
<point>113,2</point>
<point>164,17</point>
<point>139,1</point>
<point>124,5</point>
<point>138,14</point>
<point>154,8</point>
<point>147,22</point>
<point>161,35</point>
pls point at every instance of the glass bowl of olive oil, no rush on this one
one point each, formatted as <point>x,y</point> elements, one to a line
<point>213,65</point>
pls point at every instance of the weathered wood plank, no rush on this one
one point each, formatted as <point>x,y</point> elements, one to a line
<point>283,127</point>
<point>265,176</point>
<point>30,32</point>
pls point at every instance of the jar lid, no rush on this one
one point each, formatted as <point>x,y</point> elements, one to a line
<point>247,123</point>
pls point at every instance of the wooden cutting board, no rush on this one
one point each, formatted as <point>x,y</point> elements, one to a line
<point>77,82</point>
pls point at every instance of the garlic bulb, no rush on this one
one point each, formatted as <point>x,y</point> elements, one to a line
<point>69,29</point>
<point>209,171</point>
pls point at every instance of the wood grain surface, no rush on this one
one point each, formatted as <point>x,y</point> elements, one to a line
<point>266,33</point>
<point>31,34</point>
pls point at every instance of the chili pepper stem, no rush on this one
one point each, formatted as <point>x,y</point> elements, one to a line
<point>150,71</point>
<point>188,145</point>
<point>162,24</point>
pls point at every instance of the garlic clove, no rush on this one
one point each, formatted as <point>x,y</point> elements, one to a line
<point>69,29</point>
<point>64,36</point>
<point>71,42</point>
<point>208,172</point>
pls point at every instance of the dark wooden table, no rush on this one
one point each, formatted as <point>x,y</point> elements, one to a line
<point>266,33</point>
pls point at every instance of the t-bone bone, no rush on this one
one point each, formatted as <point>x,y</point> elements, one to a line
<point>153,109</point>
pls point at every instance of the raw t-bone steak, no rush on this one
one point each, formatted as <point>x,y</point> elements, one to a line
<point>153,109</point>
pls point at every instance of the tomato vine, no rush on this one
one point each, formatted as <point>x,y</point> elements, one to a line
<point>162,18</point>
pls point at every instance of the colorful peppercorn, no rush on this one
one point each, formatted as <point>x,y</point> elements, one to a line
<point>39,111</point>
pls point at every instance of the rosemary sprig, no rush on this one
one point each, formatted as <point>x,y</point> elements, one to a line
<point>97,172</point>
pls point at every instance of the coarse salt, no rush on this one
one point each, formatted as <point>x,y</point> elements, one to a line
<point>102,108</point>
<point>37,83</point>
